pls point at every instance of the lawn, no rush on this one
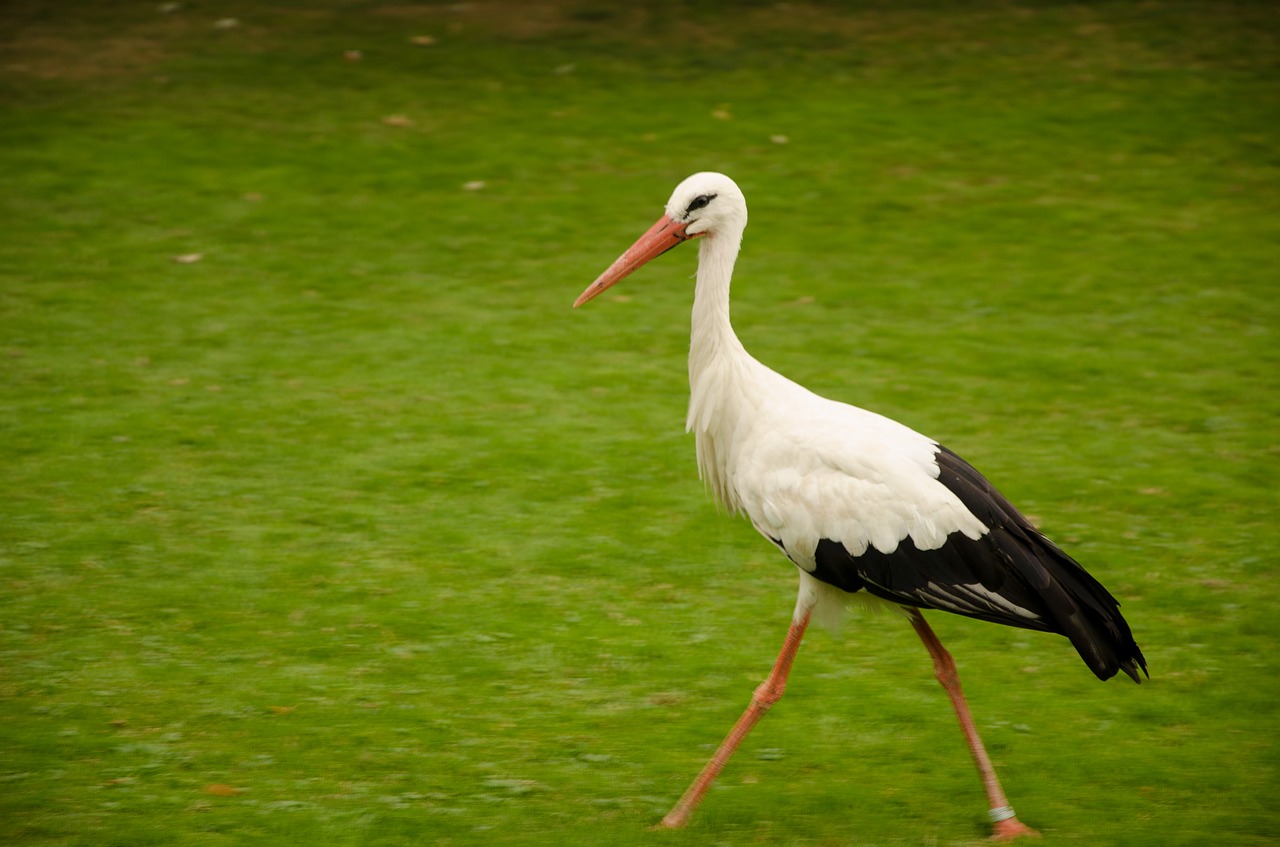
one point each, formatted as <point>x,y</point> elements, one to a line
<point>327,520</point>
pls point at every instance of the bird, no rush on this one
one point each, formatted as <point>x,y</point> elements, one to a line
<point>869,511</point>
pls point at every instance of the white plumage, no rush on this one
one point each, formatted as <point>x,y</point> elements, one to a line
<point>864,506</point>
<point>799,466</point>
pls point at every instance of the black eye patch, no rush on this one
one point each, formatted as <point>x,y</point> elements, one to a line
<point>700,202</point>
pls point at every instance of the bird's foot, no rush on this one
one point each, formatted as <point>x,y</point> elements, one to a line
<point>673,820</point>
<point>1011,828</point>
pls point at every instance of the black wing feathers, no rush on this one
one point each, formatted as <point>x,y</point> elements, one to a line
<point>1012,575</point>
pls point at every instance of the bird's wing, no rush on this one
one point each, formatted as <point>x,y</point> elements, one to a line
<point>836,472</point>
<point>862,502</point>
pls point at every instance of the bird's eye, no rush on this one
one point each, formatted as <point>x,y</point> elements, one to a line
<point>700,202</point>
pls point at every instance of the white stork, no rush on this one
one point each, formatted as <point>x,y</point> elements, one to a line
<point>867,509</point>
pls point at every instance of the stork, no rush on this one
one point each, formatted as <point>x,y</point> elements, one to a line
<point>868,510</point>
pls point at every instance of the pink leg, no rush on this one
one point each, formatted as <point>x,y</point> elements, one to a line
<point>1005,826</point>
<point>765,696</point>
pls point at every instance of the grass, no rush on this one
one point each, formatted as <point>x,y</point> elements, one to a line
<point>351,531</point>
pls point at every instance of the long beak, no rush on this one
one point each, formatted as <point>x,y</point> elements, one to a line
<point>660,238</point>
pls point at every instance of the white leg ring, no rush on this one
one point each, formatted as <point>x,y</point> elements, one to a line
<point>1002,813</point>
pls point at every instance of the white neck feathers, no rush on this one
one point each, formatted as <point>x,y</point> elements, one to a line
<point>720,391</point>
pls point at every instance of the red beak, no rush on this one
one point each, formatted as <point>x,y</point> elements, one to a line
<point>660,238</point>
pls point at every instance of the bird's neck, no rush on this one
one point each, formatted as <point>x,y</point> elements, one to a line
<point>712,341</point>
<point>721,386</point>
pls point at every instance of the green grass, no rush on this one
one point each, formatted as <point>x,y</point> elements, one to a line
<point>353,532</point>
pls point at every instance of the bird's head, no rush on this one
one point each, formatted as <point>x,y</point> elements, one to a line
<point>705,204</point>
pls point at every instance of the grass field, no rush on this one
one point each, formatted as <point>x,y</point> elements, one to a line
<point>326,519</point>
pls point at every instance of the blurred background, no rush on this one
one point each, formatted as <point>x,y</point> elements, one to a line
<point>325,517</point>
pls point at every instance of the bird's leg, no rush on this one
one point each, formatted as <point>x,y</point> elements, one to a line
<point>1005,825</point>
<point>765,696</point>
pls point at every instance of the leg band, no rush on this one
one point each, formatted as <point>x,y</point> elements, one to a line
<point>1001,813</point>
